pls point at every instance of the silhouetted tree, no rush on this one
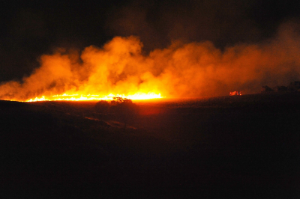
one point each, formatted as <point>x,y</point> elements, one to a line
<point>266,89</point>
<point>125,108</point>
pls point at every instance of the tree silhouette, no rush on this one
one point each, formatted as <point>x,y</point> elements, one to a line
<point>124,108</point>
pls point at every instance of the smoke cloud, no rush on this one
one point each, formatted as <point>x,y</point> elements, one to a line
<point>196,69</point>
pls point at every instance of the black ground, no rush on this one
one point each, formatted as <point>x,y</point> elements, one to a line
<point>242,146</point>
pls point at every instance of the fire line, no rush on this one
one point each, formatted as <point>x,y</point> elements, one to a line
<point>89,97</point>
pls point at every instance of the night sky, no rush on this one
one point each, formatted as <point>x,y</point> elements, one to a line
<point>32,28</point>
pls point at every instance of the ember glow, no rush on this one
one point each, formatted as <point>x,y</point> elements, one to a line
<point>121,69</point>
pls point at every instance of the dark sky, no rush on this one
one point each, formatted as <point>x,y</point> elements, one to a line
<point>32,28</point>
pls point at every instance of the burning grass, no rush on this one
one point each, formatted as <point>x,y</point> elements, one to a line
<point>120,68</point>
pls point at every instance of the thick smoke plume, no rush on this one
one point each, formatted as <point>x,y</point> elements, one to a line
<point>181,70</point>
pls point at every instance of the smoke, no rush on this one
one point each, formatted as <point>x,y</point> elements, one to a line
<point>180,70</point>
<point>157,23</point>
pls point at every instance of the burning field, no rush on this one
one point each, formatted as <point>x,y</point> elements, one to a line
<point>159,99</point>
<point>115,119</point>
<point>122,69</point>
<point>215,146</point>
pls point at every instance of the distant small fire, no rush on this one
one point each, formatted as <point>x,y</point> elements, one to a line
<point>235,93</point>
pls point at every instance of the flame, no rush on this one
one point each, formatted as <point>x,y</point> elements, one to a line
<point>193,70</point>
<point>89,97</point>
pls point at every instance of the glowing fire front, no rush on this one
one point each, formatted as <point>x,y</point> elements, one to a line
<point>181,70</point>
<point>77,97</point>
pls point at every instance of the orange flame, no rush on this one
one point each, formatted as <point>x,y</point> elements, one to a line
<point>190,70</point>
<point>77,97</point>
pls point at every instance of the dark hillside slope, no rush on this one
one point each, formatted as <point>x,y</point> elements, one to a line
<point>244,146</point>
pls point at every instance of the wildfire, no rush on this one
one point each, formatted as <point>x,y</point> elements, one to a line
<point>121,69</point>
<point>89,97</point>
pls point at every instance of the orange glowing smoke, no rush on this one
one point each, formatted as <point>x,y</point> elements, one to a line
<point>120,68</point>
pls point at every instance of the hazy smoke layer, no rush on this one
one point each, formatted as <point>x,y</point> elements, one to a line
<point>181,70</point>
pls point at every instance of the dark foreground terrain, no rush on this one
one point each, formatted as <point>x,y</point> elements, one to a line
<point>240,146</point>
